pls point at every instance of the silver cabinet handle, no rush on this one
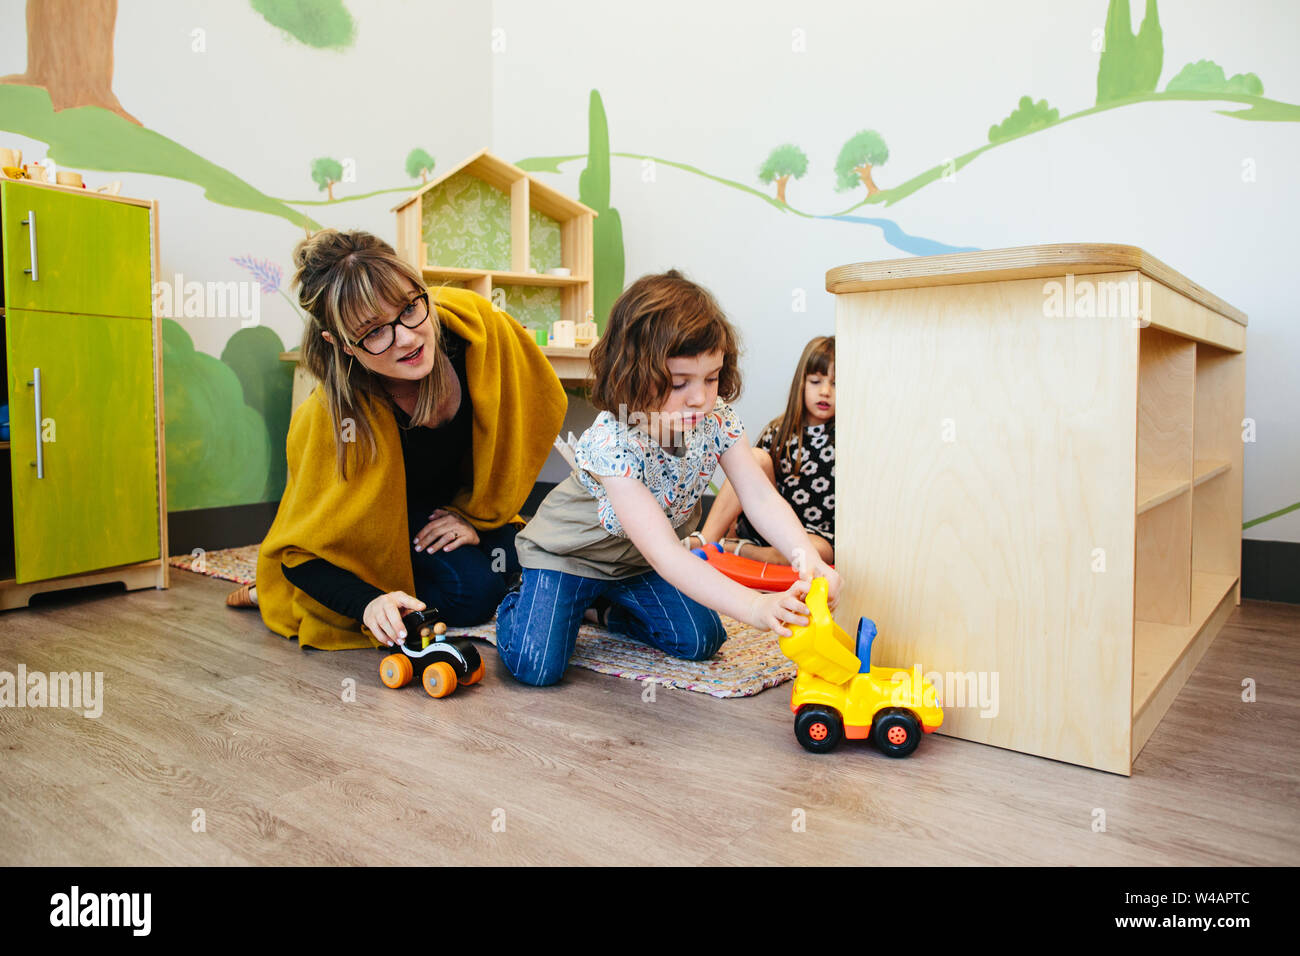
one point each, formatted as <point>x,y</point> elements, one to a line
<point>30,223</point>
<point>40,446</point>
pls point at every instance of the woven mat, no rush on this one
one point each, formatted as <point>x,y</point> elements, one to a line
<point>750,661</point>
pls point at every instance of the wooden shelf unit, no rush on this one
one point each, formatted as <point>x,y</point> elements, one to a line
<point>1048,496</point>
<point>526,195</point>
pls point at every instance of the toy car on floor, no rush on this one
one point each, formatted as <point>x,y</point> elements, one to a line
<point>443,663</point>
<point>838,694</point>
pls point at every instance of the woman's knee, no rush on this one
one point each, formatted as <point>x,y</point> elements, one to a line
<point>473,605</point>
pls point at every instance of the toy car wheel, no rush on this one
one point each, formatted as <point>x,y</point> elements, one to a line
<point>439,679</point>
<point>474,666</point>
<point>395,670</point>
<point>896,732</point>
<point>818,729</point>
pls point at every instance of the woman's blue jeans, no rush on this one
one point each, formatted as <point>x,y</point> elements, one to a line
<point>466,584</point>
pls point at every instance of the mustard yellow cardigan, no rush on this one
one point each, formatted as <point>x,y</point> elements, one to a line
<point>360,524</point>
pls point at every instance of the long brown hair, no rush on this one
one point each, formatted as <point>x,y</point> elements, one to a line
<point>344,279</point>
<point>818,358</point>
<point>659,317</point>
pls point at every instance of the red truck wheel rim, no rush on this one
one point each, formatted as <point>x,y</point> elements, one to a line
<point>897,735</point>
<point>818,731</point>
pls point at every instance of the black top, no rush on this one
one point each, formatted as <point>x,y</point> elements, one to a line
<point>438,463</point>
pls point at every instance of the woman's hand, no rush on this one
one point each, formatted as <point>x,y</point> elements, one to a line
<point>445,530</point>
<point>771,612</point>
<point>383,616</point>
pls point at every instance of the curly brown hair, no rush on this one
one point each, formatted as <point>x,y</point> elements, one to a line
<point>659,317</point>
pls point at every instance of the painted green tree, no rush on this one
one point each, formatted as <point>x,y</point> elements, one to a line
<point>218,449</point>
<point>323,24</point>
<point>1130,63</point>
<point>419,163</point>
<point>254,356</point>
<point>1206,76</point>
<point>782,164</point>
<point>325,172</point>
<point>607,231</point>
<point>1028,116</point>
<point>856,159</point>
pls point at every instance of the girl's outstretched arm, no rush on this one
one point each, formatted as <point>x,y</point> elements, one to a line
<point>648,529</point>
<point>774,518</point>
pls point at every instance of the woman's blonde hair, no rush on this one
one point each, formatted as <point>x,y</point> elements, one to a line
<point>818,358</point>
<point>345,280</point>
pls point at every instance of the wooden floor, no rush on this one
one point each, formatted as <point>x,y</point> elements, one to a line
<point>206,710</point>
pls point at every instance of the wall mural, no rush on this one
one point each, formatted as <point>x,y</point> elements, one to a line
<point>227,418</point>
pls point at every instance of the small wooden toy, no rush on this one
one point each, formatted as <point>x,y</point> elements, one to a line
<point>838,694</point>
<point>563,334</point>
<point>443,663</point>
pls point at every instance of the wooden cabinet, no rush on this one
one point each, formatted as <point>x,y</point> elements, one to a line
<point>85,496</point>
<point>1041,457</point>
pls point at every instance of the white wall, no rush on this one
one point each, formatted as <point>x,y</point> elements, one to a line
<point>717,85</point>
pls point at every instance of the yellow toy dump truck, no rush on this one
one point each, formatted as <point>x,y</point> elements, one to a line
<point>838,694</point>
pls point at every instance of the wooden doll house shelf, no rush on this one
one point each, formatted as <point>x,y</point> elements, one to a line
<point>1041,456</point>
<point>489,226</point>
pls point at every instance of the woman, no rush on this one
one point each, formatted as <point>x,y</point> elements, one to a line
<point>409,461</point>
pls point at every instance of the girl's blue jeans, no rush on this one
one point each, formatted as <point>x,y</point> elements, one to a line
<point>537,625</point>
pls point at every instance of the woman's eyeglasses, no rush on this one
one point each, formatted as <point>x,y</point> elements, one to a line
<point>381,338</point>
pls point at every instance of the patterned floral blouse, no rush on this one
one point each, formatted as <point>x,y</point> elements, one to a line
<point>677,481</point>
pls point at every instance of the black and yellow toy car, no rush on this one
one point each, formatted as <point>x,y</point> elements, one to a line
<point>442,663</point>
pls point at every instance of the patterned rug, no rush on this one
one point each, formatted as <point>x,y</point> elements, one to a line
<point>749,662</point>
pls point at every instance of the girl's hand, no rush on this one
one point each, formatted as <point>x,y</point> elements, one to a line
<point>383,616</point>
<point>771,612</point>
<point>817,568</point>
<point>447,531</point>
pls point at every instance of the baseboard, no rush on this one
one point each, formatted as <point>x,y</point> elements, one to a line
<point>238,525</point>
<point>215,528</point>
<point>1270,570</point>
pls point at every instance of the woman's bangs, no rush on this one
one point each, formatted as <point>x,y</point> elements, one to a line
<point>368,292</point>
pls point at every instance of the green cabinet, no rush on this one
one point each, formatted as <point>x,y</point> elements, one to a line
<point>82,486</point>
<point>93,500</point>
<point>91,256</point>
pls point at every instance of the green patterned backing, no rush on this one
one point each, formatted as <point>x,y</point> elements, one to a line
<point>532,306</point>
<point>543,241</point>
<point>466,224</point>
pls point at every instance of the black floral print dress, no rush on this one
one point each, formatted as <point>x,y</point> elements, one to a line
<point>807,484</point>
